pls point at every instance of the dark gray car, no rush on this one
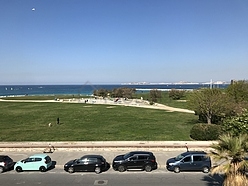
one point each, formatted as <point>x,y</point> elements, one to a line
<point>141,160</point>
<point>190,161</point>
<point>6,163</point>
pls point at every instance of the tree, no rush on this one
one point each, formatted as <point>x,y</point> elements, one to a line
<point>210,103</point>
<point>237,124</point>
<point>238,90</point>
<point>176,94</point>
<point>128,92</point>
<point>155,94</point>
<point>123,92</point>
<point>101,92</point>
<point>233,151</point>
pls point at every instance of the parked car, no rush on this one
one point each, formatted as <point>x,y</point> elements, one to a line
<point>142,160</point>
<point>190,161</point>
<point>6,163</point>
<point>40,162</point>
<point>87,163</point>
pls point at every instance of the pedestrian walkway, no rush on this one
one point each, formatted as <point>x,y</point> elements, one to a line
<point>104,145</point>
<point>122,101</point>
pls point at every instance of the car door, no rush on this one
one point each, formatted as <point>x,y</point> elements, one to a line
<point>142,161</point>
<point>186,163</point>
<point>27,164</point>
<point>81,164</point>
<point>132,162</point>
<point>37,163</point>
<point>91,164</point>
<point>197,162</point>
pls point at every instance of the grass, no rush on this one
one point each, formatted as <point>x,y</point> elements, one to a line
<point>166,100</point>
<point>48,97</point>
<point>22,121</point>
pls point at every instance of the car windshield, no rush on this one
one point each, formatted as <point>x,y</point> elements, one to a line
<point>179,157</point>
<point>127,155</point>
<point>24,160</point>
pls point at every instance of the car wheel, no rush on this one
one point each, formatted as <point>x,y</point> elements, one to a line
<point>71,170</point>
<point>1,169</point>
<point>121,168</point>
<point>97,170</point>
<point>148,168</point>
<point>42,169</point>
<point>205,169</point>
<point>176,169</point>
<point>18,169</point>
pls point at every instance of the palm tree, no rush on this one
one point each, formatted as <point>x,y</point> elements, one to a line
<point>231,151</point>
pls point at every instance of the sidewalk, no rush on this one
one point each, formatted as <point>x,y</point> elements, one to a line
<point>121,101</point>
<point>107,145</point>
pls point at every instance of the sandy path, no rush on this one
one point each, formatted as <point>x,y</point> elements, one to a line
<point>130,102</point>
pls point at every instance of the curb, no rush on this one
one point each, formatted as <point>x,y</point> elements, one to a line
<point>106,145</point>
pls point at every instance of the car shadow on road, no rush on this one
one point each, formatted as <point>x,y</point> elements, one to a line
<point>107,168</point>
<point>213,180</point>
<point>53,166</point>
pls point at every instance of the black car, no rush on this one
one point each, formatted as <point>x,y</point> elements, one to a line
<point>142,160</point>
<point>190,161</point>
<point>6,163</point>
<point>87,163</point>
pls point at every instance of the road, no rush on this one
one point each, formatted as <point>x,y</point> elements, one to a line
<point>57,176</point>
<point>111,178</point>
<point>61,157</point>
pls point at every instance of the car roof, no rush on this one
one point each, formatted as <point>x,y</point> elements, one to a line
<point>193,152</point>
<point>141,152</point>
<point>38,155</point>
<point>3,156</point>
<point>92,156</point>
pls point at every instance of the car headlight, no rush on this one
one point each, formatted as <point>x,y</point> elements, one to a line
<point>171,164</point>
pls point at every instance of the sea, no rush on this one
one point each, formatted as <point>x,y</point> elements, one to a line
<point>32,90</point>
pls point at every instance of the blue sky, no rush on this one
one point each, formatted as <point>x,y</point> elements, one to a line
<point>116,41</point>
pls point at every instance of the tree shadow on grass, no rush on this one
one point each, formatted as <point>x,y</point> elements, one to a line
<point>192,121</point>
<point>213,180</point>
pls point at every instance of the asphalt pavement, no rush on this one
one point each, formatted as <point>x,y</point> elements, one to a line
<point>61,152</point>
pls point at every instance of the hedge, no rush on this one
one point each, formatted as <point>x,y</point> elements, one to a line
<point>205,132</point>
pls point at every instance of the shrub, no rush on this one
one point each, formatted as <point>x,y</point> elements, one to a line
<point>237,124</point>
<point>176,94</point>
<point>205,132</point>
<point>151,103</point>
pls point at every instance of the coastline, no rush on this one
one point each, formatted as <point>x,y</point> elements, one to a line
<point>88,89</point>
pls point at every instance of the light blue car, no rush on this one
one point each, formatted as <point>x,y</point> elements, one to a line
<point>39,162</point>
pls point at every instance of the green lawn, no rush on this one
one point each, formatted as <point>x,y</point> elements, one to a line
<point>166,100</point>
<point>21,121</point>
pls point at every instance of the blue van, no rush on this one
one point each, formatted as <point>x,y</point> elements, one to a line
<point>190,161</point>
